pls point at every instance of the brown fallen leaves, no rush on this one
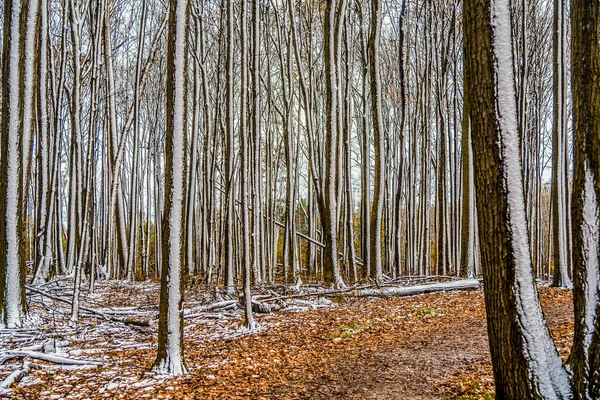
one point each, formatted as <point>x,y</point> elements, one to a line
<point>423,347</point>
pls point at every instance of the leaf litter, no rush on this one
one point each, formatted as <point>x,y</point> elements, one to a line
<point>418,347</point>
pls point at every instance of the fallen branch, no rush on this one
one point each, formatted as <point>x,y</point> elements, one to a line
<point>317,294</point>
<point>386,291</point>
<point>126,321</point>
<point>462,284</point>
<point>15,376</point>
<point>12,354</point>
<point>200,311</point>
<point>209,316</point>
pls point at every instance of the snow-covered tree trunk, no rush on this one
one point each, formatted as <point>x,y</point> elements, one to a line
<point>29,80</point>
<point>378,143</point>
<point>526,363</point>
<point>586,275</point>
<point>585,58</point>
<point>169,359</point>
<point>12,263</point>
<point>43,234</point>
<point>365,149</point>
<point>398,227</point>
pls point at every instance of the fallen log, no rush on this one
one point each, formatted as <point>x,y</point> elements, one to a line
<point>316,294</point>
<point>12,354</point>
<point>387,291</point>
<point>200,311</point>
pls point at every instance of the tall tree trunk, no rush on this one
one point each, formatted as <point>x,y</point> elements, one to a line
<point>561,256</point>
<point>378,143</point>
<point>113,164</point>
<point>397,237</point>
<point>526,363</point>
<point>133,221</point>
<point>229,147</point>
<point>331,270</point>
<point>585,56</point>
<point>169,359</point>
<point>257,212</point>
<point>12,263</point>
<point>469,211</point>
<point>244,141</point>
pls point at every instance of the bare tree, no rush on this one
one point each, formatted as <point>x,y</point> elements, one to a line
<point>528,365</point>
<point>169,359</point>
<point>12,263</point>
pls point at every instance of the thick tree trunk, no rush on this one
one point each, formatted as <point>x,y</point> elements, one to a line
<point>12,263</point>
<point>526,363</point>
<point>585,53</point>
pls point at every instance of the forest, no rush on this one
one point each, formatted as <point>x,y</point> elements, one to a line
<point>385,199</point>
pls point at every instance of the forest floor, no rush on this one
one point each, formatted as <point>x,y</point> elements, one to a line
<point>421,347</point>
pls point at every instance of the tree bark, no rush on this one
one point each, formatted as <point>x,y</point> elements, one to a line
<point>526,363</point>
<point>169,359</point>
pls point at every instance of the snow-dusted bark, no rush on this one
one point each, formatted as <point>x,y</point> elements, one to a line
<point>169,359</point>
<point>399,268</point>
<point>526,363</point>
<point>12,266</point>
<point>29,69</point>
<point>586,274</point>
<point>540,353</point>
<point>585,56</point>
<point>42,272</point>
<point>378,142</point>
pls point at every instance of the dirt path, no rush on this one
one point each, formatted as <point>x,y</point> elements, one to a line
<point>411,370</point>
<point>424,347</point>
<point>444,361</point>
<point>418,366</point>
